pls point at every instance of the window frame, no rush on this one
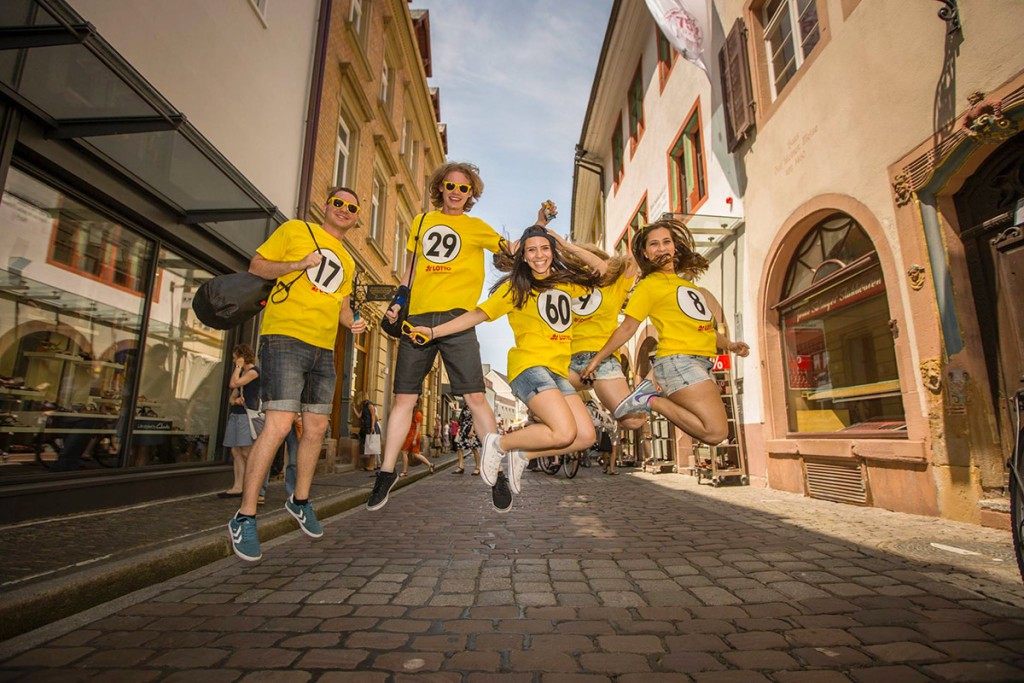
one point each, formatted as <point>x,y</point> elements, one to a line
<point>618,147</point>
<point>343,123</point>
<point>679,167</point>
<point>635,108</point>
<point>378,205</point>
<point>665,65</point>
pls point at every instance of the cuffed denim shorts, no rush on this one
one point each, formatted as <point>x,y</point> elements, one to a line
<point>532,381</point>
<point>679,371</point>
<point>236,433</point>
<point>610,368</point>
<point>296,376</point>
<point>460,353</point>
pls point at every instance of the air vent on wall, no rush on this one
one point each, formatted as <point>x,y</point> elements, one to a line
<point>839,482</point>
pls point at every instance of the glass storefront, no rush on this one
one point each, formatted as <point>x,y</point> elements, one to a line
<point>79,293</point>
<point>841,374</point>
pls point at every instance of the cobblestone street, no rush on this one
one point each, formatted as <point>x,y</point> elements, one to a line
<point>630,578</point>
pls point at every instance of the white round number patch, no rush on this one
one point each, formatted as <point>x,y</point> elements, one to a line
<point>441,244</point>
<point>692,303</point>
<point>329,274</point>
<point>555,309</point>
<point>587,304</point>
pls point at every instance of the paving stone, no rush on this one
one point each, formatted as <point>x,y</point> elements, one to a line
<point>888,674</point>
<point>904,652</point>
<point>976,671</point>
<point>760,660</point>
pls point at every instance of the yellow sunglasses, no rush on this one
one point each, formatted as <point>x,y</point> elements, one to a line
<point>463,188</point>
<point>342,204</point>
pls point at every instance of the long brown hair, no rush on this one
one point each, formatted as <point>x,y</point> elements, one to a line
<point>565,269</point>
<point>616,264</point>
<point>686,261</point>
<point>467,169</point>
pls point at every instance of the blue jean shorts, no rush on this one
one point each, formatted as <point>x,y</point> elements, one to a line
<point>296,376</point>
<point>532,381</point>
<point>610,368</point>
<point>673,373</point>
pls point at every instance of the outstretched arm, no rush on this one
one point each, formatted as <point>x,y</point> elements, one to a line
<point>463,322</point>
<point>271,270</point>
<point>619,337</point>
<point>347,318</point>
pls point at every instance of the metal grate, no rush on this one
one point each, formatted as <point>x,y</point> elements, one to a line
<point>837,482</point>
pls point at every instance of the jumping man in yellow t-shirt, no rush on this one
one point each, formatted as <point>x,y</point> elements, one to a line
<point>687,334</point>
<point>296,353</point>
<point>536,295</point>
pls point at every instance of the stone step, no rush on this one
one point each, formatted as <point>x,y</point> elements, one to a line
<point>995,513</point>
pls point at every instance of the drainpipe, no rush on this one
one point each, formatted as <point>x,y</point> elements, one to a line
<point>316,87</point>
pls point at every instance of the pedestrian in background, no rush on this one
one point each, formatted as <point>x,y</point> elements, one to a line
<point>413,442</point>
<point>239,434</point>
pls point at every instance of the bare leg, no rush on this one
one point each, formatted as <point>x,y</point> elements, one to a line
<point>238,457</point>
<point>398,426</point>
<point>476,461</point>
<point>577,416</point>
<point>423,459</point>
<point>697,410</point>
<point>314,427</point>
<point>483,416</point>
<point>278,424</point>
<point>405,463</point>
<point>459,451</point>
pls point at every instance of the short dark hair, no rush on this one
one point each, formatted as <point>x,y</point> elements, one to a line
<point>341,188</point>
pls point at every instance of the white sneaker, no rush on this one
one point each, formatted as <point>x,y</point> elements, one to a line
<point>490,459</point>
<point>517,462</point>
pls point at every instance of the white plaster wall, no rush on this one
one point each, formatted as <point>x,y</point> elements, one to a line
<point>243,85</point>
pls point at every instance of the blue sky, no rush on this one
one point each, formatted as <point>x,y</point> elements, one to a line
<point>515,79</point>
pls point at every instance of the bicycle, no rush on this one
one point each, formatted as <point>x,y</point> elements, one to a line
<point>568,463</point>
<point>1016,465</point>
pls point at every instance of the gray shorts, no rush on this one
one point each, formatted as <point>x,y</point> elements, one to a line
<point>296,376</point>
<point>610,368</point>
<point>532,381</point>
<point>460,353</point>
<point>679,371</point>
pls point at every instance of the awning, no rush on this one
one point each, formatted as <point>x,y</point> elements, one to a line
<point>54,65</point>
<point>707,230</point>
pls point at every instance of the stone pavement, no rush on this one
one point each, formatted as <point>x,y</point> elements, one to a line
<point>633,578</point>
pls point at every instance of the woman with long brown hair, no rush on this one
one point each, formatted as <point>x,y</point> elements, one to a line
<point>688,339</point>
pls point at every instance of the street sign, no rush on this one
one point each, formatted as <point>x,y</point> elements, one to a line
<point>722,362</point>
<point>379,292</point>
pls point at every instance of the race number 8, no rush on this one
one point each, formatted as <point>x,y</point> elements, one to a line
<point>692,303</point>
<point>555,309</point>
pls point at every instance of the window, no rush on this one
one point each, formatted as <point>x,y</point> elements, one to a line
<point>399,254</point>
<point>790,33</point>
<point>638,221</point>
<point>377,209</point>
<point>355,16</point>
<point>687,170</point>
<point>736,86</point>
<point>840,363</point>
<point>342,153</point>
<point>666,58</point>
<point>404,145</point>
<point>385,82</point>
<point>414,156</point>
<point>636,107</point>
<point>617,151</point>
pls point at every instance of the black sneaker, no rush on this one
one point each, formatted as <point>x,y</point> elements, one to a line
<point>501,494</point>
<point>381,488</point>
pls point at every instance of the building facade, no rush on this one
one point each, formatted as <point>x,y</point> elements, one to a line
<point>878,154</point>
<point>377,132</point>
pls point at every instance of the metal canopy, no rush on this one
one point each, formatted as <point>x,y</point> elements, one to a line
<point>56,66</point>
<point>708,230</point>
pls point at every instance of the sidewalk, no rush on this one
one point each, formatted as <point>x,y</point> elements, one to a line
<point>52,568</point>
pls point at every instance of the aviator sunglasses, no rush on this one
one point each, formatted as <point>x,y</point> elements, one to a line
<point>463,188</point>
<point>342,204</point>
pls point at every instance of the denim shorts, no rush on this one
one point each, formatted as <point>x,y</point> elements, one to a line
<point>296,376</point>
<point>460,353</point>
<point>679,371</point>
<point>610,368</point>
<point>532,381</point>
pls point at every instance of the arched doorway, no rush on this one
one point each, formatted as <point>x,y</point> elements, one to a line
<point>990,214</point>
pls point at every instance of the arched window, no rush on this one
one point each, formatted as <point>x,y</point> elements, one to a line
<point>841,373</point>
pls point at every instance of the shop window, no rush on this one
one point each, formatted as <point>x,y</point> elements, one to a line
<point>841,374</point>
<point>99,250</point>
<point>636,108</point>
<point>666,58</point>
<point>790,33</point>
<point>617,150</point>
<point>687,167</point>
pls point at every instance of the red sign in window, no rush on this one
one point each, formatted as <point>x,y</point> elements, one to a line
<point>722,362</point>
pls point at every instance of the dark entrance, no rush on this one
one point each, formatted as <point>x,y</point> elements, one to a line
<point>990,209</point>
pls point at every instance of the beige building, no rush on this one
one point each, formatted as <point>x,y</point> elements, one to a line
<point>378,133</point>
<point>882,202</point>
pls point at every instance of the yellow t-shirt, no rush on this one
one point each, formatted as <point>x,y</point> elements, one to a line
<point>682,317</point>
<point>310,312</point>
<point>596,315</point>
<point>542,327</point>
<point>449,261</point>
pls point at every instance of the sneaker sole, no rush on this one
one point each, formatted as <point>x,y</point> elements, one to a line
<point>384,502</point>
<point>247,558</point>
<point>301,526</point>
<point>501,511</point>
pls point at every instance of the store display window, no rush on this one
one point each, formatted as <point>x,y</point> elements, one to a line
<point>75,288</point>
<point>840,363</point>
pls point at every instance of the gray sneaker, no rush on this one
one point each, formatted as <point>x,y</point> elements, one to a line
<point>517,463</point>
<point>501,495</point>
<point>305,516</point>
<point>244,539</point>
<point>490,459</point>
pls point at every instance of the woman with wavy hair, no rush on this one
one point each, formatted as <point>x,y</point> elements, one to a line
<point>544,274</point>
<point>688,339</point>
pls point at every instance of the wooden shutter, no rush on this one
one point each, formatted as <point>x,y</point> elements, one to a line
<point>735,68</point>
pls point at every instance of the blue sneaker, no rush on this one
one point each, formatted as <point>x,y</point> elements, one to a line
<point>244,539</point>
<point>305,516</point>
<point>639,401</point>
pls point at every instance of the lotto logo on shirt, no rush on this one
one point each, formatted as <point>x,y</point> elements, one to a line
<point>438,269</point>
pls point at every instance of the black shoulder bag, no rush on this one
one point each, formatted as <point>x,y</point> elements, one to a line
<point>227,301</point>
<point>404,293</point>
